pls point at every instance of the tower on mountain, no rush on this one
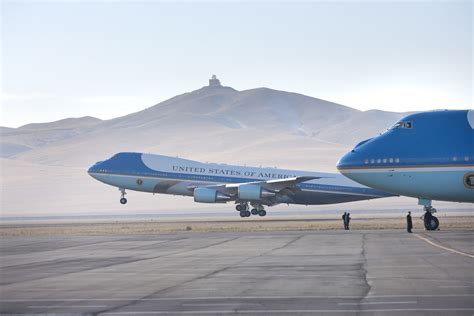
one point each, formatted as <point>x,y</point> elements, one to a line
<point>214,82</point>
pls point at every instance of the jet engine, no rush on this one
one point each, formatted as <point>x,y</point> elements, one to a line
<point>207,195</point>
<point>253,192</point>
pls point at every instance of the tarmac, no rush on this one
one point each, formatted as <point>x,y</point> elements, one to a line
<point>272,273</point>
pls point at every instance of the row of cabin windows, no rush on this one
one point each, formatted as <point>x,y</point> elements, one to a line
<point>397,160</point>
<point>380,160</point>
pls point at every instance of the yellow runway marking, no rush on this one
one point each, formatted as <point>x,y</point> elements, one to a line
<point>443,247</point>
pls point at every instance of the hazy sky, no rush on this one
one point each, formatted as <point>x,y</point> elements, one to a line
<point>106,59</point>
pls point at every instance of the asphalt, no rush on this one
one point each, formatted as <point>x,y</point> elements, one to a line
<point>271,273</point>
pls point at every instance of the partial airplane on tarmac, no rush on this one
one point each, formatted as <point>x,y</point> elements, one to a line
<point>219,183</point>
<point>428,155</point>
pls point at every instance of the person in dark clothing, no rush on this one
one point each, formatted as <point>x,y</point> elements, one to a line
<point>409,223</point>
<point>348,220</point>
<point>344,220</point>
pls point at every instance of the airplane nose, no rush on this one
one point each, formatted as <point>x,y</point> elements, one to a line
<point>356,158</point>
<point>94,168</point>
<point>349,160</point>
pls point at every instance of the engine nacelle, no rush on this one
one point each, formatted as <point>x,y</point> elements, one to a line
<point>207,195</point>
<point>253,192</point>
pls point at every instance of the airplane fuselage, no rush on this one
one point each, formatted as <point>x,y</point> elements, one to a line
<point>169,175</point>
<point>429,156</point>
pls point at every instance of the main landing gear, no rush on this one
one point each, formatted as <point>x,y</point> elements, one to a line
<point>243,208</point>
<point>257,209</point>
<point>123,200</point>
<point>431,222</point>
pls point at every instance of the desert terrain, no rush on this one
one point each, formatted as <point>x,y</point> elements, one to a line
<point>43,169</point>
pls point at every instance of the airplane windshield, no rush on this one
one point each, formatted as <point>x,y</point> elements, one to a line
<point>402,125</point>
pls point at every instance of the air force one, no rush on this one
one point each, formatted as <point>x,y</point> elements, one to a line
<point>428,155</point>
<point>219,183</point>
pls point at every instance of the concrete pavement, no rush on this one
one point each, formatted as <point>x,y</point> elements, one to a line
<point>284,273</point>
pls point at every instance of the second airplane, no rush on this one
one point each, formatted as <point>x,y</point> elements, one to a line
<point>251,188</point>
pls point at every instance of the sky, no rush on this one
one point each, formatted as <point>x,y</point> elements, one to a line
<point>110,58</point>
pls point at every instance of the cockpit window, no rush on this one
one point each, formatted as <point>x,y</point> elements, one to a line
<point>402,125</point>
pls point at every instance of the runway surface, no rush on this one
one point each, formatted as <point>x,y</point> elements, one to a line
<point>272,273</point>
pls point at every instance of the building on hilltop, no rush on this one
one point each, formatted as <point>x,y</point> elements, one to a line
<point>214,82</point>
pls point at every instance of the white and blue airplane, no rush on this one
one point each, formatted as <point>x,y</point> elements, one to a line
<point>428,155</point>
<point>220,183</point>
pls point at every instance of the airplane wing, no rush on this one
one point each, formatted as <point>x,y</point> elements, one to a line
<point>272,188</point>
<point>271,185</point>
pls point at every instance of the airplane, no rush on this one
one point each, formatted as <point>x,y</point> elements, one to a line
<point>220,183</point>
<point>427,155</point>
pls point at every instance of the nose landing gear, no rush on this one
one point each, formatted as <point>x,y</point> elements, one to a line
<point>431,222</point>
<point>123,200</point>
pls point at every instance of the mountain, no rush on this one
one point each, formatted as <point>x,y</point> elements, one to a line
<point>213,122</point>
<point>67,123</point>
<point>43,169</point>
<point>15,141</point>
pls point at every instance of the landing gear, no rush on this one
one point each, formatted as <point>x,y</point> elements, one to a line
<point>244,214</point>
<point>243,209</point>
<point>123,200</point>
<point>258,209</point>
<point>431,222</point>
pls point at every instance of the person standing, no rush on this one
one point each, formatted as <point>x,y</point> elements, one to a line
<point>344,220</point>
<point>348,219</point>
<point>409,223</point>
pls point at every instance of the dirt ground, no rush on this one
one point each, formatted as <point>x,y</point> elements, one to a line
<point>153,227</point>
